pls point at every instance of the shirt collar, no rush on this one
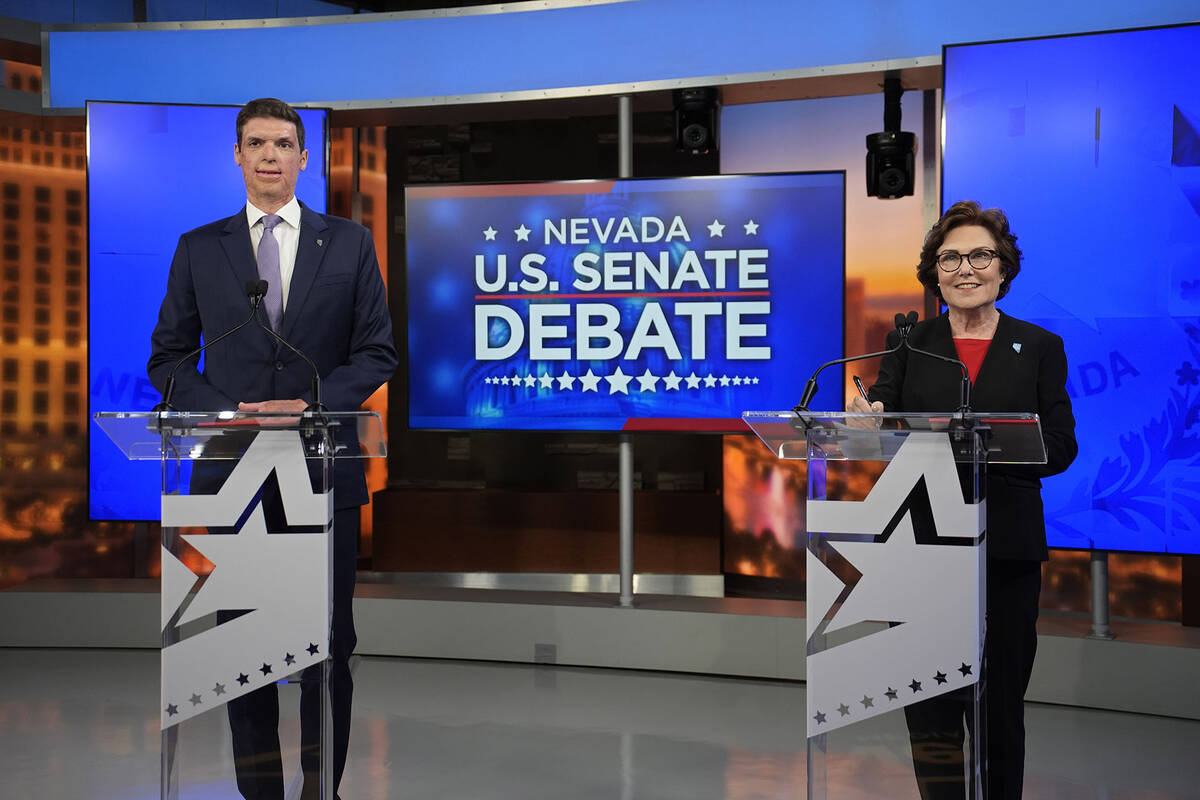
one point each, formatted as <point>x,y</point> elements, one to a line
<point>290,213</point>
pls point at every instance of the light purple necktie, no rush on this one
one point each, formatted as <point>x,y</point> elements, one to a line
<point>268,270</point>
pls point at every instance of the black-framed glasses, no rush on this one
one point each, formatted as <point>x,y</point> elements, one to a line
<point>979,258</point>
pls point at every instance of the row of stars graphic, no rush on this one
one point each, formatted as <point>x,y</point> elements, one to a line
<point>242,679</point>
<point>619,381</point>
<point>891,694</point>
<point>716,230</point>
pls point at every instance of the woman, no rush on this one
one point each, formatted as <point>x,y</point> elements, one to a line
<point>969,260</point>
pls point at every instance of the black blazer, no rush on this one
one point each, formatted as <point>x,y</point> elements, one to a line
<point>1025,370</point>
<point>337,314</point>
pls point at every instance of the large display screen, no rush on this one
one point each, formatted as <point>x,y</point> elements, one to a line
<point>1091,145</point>
<point>154,172</point>
<point>670,304</point>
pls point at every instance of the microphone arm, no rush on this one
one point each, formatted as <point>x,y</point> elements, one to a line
<point>256,296</point>
<point>904,324</point>
<point>316,406</point>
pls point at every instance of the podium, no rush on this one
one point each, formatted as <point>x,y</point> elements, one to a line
<point>252,495</point>
<point>896,593</point>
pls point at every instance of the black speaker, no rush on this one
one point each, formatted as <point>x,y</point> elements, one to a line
<point>696,113</point>
<point>891,157</point>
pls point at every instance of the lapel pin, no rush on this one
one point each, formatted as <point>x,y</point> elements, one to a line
<point>320,242</point>
<point>1017,346</point>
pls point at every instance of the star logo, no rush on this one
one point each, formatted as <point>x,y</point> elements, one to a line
<point>313,649</point>
<point>489,234</point>
<point>751,228</point>
<point>265,669</point>
<point>819,717</point>
<point>529,381</point>
<point>693,381</point>
<point>522,233</point>
<point>589,382</point>
<point>965,669</point>
<point>566,381</point>
<point>844,710</point>
<point>546,380</point>
<point>172,710</point>
<point>716,229</point>
<point>724,380</point>
<point>195,699</point>
<point>709,381</point>
<point>289,659</point>
<point>671,382</point>
<point>243,679</point>
<point>867,702</point>
<point>219,689</point>
<point>940,677</point>
<point>618,382</point>
<point>915,685</point>
<point>646,381</point>
<point>891,693</point>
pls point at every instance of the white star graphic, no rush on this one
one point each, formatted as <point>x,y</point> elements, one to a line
<point>716,229</point>
<point>503,380</point>
<point>522,233</point>
<point>710,381</point>
<point>756,381</point>
<point>530,380</point>
<point>693,380</point>
<point>646,381</point>
<point>737,381</point>
<point>618,382</point>
<point>566,380</point>
<point>589,382</point>
<point>671,381</point>
<point>724,380</point>
<point>546,380</point>
<point>489,234</point>
<point>751,228</point>
<point>516,380</point>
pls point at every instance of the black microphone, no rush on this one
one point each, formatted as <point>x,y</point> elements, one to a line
<point>255,290</point>
<point>316,406</point>
<point>810,388</point>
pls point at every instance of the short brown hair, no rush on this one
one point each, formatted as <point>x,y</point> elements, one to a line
<point>968,212</point>
<point>273,109</point>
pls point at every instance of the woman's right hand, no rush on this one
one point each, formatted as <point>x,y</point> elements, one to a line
<point>859,405</point>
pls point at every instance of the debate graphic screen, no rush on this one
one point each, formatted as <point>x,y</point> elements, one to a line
<point>1091,145</point>
<point>154,172</point>
<point>641,304</point>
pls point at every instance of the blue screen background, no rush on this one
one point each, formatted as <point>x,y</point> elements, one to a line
<point>801,220</point>
<point>154,172</point>
<point>1091,145</point>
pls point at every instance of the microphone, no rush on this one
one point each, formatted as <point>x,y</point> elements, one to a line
<point>903,324</point>
<point>255,290</point>
<point>316,406</point>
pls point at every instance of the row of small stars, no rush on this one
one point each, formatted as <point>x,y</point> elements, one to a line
<point>716,229</point>
<point>242,679</point>
<point>619,381</point>
<point>891,694</point>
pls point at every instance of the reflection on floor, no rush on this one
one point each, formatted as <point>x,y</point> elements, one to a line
<point>83,724</point>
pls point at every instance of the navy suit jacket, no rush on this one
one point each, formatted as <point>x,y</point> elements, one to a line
<point>336,314</point>
<point>1025,370</point>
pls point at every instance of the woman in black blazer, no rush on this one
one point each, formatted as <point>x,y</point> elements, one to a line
<point>969,259</point>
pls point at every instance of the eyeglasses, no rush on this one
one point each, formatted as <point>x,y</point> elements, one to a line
<point>980,258</point>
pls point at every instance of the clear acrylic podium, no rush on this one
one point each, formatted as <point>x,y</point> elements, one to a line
<point>896,593</point>
<point>252,495</point>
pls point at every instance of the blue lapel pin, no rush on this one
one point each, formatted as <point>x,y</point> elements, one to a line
<point>1017,346</point>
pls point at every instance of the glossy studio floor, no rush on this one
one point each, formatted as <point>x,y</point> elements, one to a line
<point>80,723</point>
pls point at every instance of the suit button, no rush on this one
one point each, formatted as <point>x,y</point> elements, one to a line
<point>278,365</point>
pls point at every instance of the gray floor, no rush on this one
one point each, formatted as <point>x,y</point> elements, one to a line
<point>83,724</point>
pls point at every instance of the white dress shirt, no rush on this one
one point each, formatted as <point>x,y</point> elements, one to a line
<point>287,233</point>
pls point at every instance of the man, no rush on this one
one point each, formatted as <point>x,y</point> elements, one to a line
<point>326,297</point>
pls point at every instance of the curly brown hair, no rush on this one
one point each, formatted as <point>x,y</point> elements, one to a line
<point>968,212</point>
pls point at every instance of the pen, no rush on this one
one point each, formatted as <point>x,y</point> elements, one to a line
<point>862,391</point>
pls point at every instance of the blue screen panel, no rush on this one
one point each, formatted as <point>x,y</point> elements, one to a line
<point>154,172</point>
<point>1091,144</point>
<point>622,305</point>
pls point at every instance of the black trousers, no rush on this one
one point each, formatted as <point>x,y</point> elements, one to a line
<point>254,717</point>
<point>936,727</point>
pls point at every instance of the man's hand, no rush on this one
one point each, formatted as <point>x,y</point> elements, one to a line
<point>273,406</point>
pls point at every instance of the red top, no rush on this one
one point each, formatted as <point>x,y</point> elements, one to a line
<point>971,353</point>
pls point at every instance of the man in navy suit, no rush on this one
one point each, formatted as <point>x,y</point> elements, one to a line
<point>327,298</point>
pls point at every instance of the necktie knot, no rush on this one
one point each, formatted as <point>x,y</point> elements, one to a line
<point>269,222</point>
